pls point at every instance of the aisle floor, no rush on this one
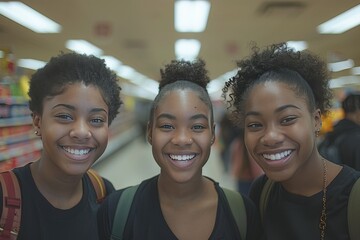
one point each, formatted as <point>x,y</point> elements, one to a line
<point>134,163</point>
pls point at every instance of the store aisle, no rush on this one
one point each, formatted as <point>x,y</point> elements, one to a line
<point>134,163</point>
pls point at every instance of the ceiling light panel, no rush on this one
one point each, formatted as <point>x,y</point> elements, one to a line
<point>342,22</point>
<point>191,16</point>
<point>28,17</point>
<point>83,47</point>
<point>187,49</point>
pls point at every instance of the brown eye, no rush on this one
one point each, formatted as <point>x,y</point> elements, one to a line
<point>288,120</point>
<point>166,126</point>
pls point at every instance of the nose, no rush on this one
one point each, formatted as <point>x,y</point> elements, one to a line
<point>80,129</point>
<point>272,137</point>
<point>182,137</point>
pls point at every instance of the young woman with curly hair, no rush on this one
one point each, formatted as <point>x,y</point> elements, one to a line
<point>278,96</point>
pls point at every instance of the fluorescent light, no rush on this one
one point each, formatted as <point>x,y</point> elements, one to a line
<point>126,72</point>
<point>137,78</point>
<point>297,45</point>
<point>30,63</point>
<point>132,90</point>
<point>342,22</point>
<point>187,49</point>
<point>111,62</point>
<point>344,81</point>
<point>342,65</point>
<point>191,16</point>
<point>83,46</point>
<point>355,71</point>
<point>28,17</point>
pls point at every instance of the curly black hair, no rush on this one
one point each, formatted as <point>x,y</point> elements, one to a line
<point>70,68</point>
<point>181,74</point>
<point>184,70</point>
<point>304,71</point>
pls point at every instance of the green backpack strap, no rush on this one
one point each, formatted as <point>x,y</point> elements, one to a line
<point>238,210</point>
<point>354,211</point>
<point>122,212</point>
<point>264,197</point>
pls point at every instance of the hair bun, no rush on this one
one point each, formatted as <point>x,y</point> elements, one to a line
<point>181,70</point>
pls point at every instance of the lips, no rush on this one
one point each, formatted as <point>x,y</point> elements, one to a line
<point>182,160</point>
<point>277,156</point>
<point>77,153</point>
<point>182,157</point>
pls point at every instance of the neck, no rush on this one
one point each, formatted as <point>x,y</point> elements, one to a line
<point>182,192</point>
<point>61,191</point>
<point>309,185</point>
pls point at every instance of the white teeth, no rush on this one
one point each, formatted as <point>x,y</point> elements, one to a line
<point>77,151</point>
<point>277,156</point>
<point>182,157</point>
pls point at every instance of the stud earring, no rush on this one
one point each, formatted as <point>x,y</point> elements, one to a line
<point>36,133</point>
<point>317,133</point>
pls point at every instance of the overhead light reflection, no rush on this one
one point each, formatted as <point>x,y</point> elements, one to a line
<point>83,46</point>
<point>187,49</point>
<point>342,65</point>
<point>28,17</point>
<point>191,16</point>
<point>341,23</point>
<point>30,63</point>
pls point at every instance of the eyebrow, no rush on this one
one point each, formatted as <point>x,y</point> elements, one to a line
<point>172,117</point>
<point>282,108</point>
<point>73,108</point>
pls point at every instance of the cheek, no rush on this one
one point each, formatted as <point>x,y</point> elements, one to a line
<point>101,135</point>
<point>250,140</point>
<point>303,133</point>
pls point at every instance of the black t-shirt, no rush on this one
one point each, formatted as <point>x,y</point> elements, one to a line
<point>146,221</point>
<point>291,216</point>
<point>41,221</point>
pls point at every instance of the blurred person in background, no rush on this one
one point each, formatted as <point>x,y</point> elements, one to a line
<point>242,167</point>
<point>345,135</point>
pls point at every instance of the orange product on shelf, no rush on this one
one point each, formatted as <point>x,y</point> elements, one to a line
<point>14,130</point>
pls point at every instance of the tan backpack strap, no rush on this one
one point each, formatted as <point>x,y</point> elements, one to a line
<point>238,210</point>
<point>99,185</point>
<point>264,197</point>
<point>11,208</point>
<point>354,211</point>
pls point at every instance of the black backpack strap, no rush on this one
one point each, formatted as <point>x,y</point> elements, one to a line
<point>354,211</point>
<point>11,208</point>
<point>264,197</point>
<point>122,212</point>
<point>237,207</point>
<point>98,184</point>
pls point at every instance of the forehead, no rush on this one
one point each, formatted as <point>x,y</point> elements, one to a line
<point>184,100</point>
<point>78,94</point>
<point>272,94</point>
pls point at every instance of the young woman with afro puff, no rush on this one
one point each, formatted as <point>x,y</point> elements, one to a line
<point>180,203</point>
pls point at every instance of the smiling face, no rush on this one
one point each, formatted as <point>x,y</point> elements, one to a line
<point>181,136</point>
<point>280,130</point>
<point>73,128</point>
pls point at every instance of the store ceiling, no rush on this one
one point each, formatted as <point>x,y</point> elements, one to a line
<point>141,34</point>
